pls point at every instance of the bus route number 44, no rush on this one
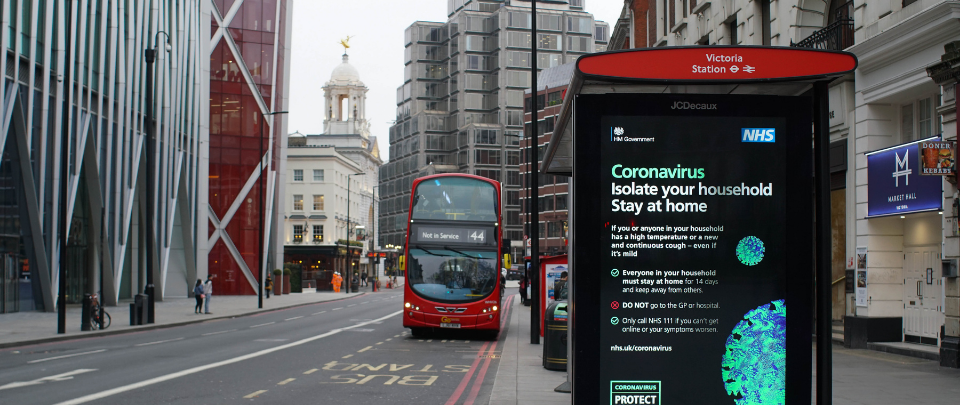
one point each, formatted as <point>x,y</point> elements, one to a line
<point>478,235</point>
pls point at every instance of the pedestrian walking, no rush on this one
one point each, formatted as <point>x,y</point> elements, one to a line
<point>363,279</point>
<point>269,286</point>
<point>198,294</point>
<point>208,293</point>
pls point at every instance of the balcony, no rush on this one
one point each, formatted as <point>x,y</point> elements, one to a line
<point>836,36</point>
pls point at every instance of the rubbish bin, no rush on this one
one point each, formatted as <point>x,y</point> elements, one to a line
<point>355,284</point>
<point>555,336</point>
<point>85,313</point>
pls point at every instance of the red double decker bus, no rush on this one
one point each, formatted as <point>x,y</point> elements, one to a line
<point>452,255</point>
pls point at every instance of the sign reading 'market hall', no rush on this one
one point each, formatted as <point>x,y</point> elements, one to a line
<point>895,185</point>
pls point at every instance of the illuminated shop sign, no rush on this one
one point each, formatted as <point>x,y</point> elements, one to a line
<point>895,185</point>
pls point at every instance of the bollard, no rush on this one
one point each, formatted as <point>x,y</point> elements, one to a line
<point>85,313</point>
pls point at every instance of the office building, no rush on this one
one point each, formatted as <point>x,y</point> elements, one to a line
<point>460,108</point>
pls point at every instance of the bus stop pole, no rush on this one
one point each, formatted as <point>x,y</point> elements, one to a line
<point>533,194</point>
<point>821,141</point>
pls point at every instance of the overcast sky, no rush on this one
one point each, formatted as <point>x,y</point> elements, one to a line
<point>376,50</point>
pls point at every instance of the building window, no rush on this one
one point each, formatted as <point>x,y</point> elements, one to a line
<point>579,44</point>
<point>490,174</point>
<point>298,175</point>
<point>561,202</point>
<point>317,233</point>
<point>554,229</point>
<point>297,233</point>
<point>732,27</point>
<point>554,98</point>
<point>318,203</point>
<point>298,202</point>
<point>513,176</point>
<point>548,41</point>
<point>579,24</point>
<point>317,175</point>
<point>545,203</point>
<point>486,157</point>
<point>485,137</point>
<point>513,197</point>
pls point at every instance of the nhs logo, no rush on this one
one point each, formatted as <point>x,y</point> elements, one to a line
<point>758,135</point>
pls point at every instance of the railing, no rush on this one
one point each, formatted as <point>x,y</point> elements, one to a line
<point>836,36</point>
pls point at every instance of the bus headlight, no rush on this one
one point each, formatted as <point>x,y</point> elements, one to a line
<point>407,305</point>
<point>494,307</point>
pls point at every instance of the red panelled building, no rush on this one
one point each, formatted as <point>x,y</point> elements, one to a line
<point>247,80</point>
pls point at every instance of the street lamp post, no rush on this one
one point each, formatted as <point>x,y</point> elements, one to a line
<point>533,195</point>
<point>260,256</point>
<point>349,254</point>
<point>373,242</point>
<point>150,54</point>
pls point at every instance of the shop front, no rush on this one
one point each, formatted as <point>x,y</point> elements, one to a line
<point>898,290</point>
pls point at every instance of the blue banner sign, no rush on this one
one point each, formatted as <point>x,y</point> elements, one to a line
<point>894,183</point>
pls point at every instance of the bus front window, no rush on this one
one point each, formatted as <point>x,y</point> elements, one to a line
<point>452,276</point>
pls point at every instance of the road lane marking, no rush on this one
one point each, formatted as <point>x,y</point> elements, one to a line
<point>348,356</point>
<point>296,317</point>
<point>66,356</point>
<point>58,377</point>
<point>270,340</point>
<point>396,335</point>
<point>310,371</point>
<point>351,305</point>
<point>379,343</point>
<point>287,381</point>
<point>317,313</point>
<point>365,302</point>
<point>255,394</point>
<point>480,373</point>
<point>159,341</point>
<point>262,324</point>
<point>478,382</point>
<point>217,333</point>
<point>365,348</point>
<point>171,376</point>
<point>337,309</point>
<point>389,339</point>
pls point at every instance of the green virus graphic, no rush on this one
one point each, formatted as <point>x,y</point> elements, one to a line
<point>750,250</point>
<point>754,362</point>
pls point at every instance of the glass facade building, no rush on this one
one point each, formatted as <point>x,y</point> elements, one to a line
<point>460,108</point>
<point>74,93</point>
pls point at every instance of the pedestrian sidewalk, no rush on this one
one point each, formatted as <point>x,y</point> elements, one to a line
<point>23,328</point>
<point>521,378</point>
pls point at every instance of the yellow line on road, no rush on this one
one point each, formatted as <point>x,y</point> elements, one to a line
<point>255,394</point>
<point>364,349</point>
<point>310,371</point>
<point>348,356</point>
<point>284,382</point>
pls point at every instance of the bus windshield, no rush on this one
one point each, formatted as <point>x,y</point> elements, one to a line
<point>455,199</point>
<point>452,275</point>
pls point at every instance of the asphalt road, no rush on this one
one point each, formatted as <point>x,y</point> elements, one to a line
<point>353,351</point>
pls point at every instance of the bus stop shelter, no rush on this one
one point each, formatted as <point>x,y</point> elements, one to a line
<point>700,210</point>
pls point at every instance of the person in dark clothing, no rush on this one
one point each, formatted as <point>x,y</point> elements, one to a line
<point>523,290</point>
<point>363,279</point>
<point>198,294</point>
<point>268,285</point>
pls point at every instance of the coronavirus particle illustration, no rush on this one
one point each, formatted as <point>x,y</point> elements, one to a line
<point>753,365</point>
<point>750,250</point>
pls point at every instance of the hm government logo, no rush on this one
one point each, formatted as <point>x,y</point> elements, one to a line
<point>758,135</point>
<point>902,168</point>
<point>618,131</point>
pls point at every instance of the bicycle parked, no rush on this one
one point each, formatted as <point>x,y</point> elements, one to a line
<point>95,314</point>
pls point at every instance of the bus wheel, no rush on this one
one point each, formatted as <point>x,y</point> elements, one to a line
<point>418,332</point>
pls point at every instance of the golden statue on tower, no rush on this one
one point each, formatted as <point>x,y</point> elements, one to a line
<point>346,43</point>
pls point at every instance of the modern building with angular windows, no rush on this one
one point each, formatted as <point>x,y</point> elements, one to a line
<point>74,93</point>
<point>460,108</point>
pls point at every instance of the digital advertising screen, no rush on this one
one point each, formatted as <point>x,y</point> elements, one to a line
<point>694,221</point>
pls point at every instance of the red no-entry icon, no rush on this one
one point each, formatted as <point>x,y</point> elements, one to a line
<point>614,305</point>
